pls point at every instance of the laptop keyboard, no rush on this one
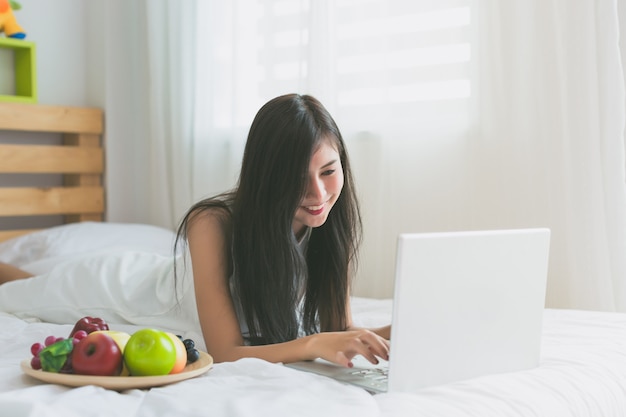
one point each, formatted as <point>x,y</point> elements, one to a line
<point>365,375</point>
<point>378,374</point>
<point>371,377</point>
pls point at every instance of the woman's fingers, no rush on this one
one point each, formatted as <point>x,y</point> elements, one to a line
<point>341,347</point>
<point>375,344</point>
<point>364,343</point>
<point>343,360</point>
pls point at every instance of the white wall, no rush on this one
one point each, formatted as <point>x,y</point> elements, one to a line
<point>58,30</point>
<point>111,76</point>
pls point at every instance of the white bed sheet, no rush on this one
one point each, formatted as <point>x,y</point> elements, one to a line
<point>582,371</point>
<point>582,374</point>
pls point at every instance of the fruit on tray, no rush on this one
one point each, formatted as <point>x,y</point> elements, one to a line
<point>97,354</point>
<point>121,338</point>
<point>181,354</point>
<point>54,354</point>
<point>150,352</point>
<point>192,353</point>
<point>89,324</point>
<point>54,357</point>
<point>93,349</point>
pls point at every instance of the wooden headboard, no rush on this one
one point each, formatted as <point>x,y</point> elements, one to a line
<point>79,158</point>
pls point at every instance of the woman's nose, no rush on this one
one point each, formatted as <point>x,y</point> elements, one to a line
<point>315,189</point>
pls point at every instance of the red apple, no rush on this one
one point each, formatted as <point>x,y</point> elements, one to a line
<point>121,338</point>
<point>97,354</point>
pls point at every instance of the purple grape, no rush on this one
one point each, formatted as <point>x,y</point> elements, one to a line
<point>36,348</point>
<point>35,362</point>
<point>80,335</point>
<point>50,340</point>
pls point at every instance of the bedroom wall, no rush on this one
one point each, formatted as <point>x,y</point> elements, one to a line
<point>58,30</point>
<point>110,81</point>
<point>71,55</point>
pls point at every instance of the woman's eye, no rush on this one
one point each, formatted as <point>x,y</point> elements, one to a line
<point>328,172</point>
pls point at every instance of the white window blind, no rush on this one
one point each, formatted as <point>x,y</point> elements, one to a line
<point>375,63</point>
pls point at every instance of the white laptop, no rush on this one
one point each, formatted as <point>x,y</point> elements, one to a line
<point>466,304</point>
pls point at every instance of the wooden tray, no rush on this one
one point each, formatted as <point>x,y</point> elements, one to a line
<point>121,383</point>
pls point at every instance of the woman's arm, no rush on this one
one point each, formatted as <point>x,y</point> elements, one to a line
<point>337,347</point>
<point>218,320</point>
<point>11,273</point>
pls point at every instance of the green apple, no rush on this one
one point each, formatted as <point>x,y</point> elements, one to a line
<point>149,352</point>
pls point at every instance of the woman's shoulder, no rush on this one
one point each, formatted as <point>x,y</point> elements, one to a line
<point>214,217</point>
<point>208,217</point>
<point>209,231</point>
<point>217,208</point>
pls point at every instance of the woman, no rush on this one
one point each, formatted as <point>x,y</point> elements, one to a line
<point>271,260</point>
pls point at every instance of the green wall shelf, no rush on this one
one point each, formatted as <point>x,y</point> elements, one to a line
<point>25,72</point>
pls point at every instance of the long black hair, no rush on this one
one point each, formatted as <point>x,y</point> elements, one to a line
<point>266,260</point>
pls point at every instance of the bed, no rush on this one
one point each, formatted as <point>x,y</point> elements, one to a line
<point>583,361</point>
<point>52,166</point>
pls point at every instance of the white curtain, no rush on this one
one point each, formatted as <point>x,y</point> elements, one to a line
<point>169,82</point>
<point>459,114</point>
<point>142,74</point>
<point>548,146</point>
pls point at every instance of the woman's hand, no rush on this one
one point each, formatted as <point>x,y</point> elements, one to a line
<point>384,332</point>
<point>341,347</point>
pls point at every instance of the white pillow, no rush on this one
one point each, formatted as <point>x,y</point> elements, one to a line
<point>76,238</point>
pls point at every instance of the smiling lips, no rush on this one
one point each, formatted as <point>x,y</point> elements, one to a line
<point>314,210</point>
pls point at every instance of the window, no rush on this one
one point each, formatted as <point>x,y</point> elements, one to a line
<point>374,63</point>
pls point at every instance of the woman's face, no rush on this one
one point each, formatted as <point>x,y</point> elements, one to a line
<point>325,181</point>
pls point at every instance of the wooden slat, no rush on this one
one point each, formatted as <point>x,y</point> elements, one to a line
<point>41,118</point>
<point>84,141</point>
<point>88,217</point>
<point>50,159</point>
<point>10,234</point>
<point>80,159</point>
<point>81,180</point>
<point>25,201</point>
